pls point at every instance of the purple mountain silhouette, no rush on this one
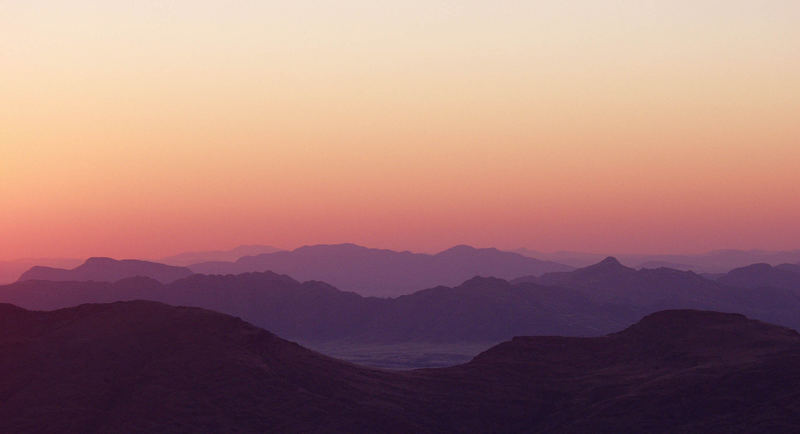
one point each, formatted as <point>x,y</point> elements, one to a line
<point>717,261</point>
<point>10,271</point>
<point>587,302</point>
<point>663,288</point>
<point>384,272</point>
<point>610,281</point>
<point>108,270</point>
<point>147,367</point>
<point>483,310</point>
<point>188,258</point>
<point>785,276</point>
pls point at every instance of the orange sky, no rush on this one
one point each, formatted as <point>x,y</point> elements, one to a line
<point>145,129</point>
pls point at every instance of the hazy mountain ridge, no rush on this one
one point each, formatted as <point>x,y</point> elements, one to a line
<point>786,276</point>
<point>609,280</point>
<point>479,310</point>
<point>715,261</point>
<point>143,366</point>
<point>188,258</point>
<point>10,271</point>
<point>585,302</point>
<point>108,270</point>
<point>382,272</point>
<point>650,290</point>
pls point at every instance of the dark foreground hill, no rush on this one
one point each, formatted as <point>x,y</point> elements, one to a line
<point>148,367</point>
<point>378,272</point>
<point>108,270</point>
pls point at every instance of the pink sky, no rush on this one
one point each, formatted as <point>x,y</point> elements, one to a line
<point>142,130</point>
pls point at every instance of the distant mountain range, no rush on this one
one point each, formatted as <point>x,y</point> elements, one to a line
<point>384,273</point>
<point>717,261</point>
<point>188,258</point>
<point>786,276</point>
<point>108,270</point>
<point>589,301</point>
<point>149,367</point>
<point>296,263</point>
<point>486,310</point>
<point>649,290</point>
<point>10,271</point>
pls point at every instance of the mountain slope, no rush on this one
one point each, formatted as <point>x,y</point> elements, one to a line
<point>379,272</point>
<point>108,270</point>
<point>144,367</point>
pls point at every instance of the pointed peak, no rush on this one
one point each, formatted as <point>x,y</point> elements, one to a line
<point>610,260</point>
<point>609,264</point>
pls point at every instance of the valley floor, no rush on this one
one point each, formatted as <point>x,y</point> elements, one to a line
<point>410,355</point>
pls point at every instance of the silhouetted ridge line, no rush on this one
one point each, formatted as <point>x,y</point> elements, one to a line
<point>382,272</point>
<point>763,275</point>
<point>188,258</point>
<point>587,302</point>
<point>714,262</point>
<point>108,270</point>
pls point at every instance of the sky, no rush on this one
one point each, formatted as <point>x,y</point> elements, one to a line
<point>141,129</point>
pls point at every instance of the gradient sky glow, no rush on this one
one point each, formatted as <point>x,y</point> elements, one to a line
<point>140,129</point>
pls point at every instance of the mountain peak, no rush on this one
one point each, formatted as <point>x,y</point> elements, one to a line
<point>103,269</point>
<point>461,248</point>
<point>610,260</point>
<point>608,264</point>
<point>384,272</point>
